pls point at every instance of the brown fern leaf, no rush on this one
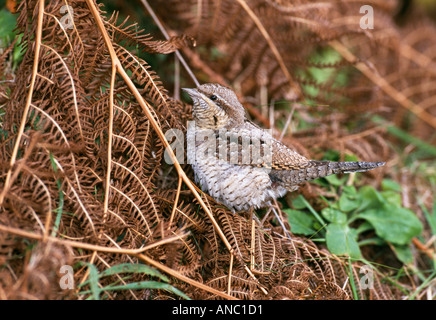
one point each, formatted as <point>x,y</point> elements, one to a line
<point>135,36</point>
<point>81,154</point>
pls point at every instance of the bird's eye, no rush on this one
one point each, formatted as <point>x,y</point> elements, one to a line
<point>213,97</point>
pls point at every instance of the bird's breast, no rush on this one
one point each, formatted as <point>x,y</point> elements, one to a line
<point>237,186</point>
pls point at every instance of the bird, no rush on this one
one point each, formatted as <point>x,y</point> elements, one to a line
<point>241,165</point>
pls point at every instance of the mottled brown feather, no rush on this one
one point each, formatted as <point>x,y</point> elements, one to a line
<point>241,165</point>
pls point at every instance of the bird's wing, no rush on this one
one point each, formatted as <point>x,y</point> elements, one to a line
<point>284,158</point>
<point>250,145</point>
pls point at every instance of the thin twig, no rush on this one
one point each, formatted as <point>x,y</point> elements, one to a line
<point>179,276</point>
<point>109,147</point>
<point>253,242</point>
<point>87,246</point>
<point>272,46</point>
<point>173,212</point>
<point>380,81</point>
<point>280,220</point>
<point>288,121</point>
<point>229,285</point>
<point>166,35</point>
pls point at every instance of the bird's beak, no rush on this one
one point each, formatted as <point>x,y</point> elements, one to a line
<point>191,91</point>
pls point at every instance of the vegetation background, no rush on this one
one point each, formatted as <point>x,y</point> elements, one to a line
<point>89,208</point>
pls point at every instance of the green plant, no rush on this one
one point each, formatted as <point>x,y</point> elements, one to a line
<point>95,288</point>
<point>8,35</point>
<point>379,211</point>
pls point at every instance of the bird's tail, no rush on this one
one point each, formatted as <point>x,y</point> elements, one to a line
<point>347,166</point>
<point>320,169</point>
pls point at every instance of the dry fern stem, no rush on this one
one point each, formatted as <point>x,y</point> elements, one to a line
<point>82,163</point>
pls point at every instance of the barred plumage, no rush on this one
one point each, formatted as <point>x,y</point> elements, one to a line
<point>241,165</point>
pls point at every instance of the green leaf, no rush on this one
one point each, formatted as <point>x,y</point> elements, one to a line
<point>388,184</point>
<point>348,203</point>
<point>314,213</point>
<point>129,268</point>
<point>301,222</point>
<point>430,217</point>
<point>370,198</point>
<point>8,22</point>
<point>364,226</point>
<point>94,277</point>
<point>334,215</point>
<point>342,240</point>
<point>298,202</point>
<point>331,155</point>
<point>350,191</point>
<point>133,268</point>
<point>394,224</point>
<point>392,197</point>
<point>93,281</point>
<point>61,198</point>
<point>147,285</point>
<point>350,157</point>
<point>426,149</point>
<point>403,253</point>
<point>335,181</point>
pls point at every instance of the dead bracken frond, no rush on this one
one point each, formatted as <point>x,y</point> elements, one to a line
<point>82,145</point>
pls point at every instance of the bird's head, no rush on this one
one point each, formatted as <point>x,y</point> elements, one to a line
<point>215,106</point>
